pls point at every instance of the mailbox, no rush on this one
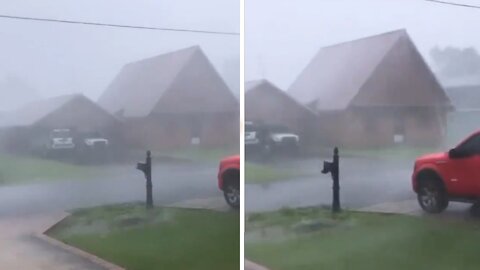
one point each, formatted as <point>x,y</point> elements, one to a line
<point>146,168</point>
<point>334,169</point>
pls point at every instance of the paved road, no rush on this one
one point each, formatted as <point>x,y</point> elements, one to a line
<point>363,182</point>
<point>26,210</point>
<point>171,183</point>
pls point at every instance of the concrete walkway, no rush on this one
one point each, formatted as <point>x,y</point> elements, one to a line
<point>407,207</point>
<point>410,207</point>
<point>21,248</point>
<point>249,265</point>
<point>24,246</point>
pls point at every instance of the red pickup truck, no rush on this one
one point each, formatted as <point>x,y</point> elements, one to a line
<point>448,176</point>
<point>229,180</point>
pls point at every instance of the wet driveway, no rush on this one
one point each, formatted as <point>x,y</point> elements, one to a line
<point>171,184</point>
<point>363,182</point>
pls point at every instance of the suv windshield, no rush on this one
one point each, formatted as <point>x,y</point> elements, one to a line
<point>93,134</point>
<point>60,133</point>
<point>278,129</point>
<point>249,127</point>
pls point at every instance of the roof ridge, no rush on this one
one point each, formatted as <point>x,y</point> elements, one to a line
<point>252,84</point>
<point>399,31</point>
<point>382,42</point>
<point>71,97</point>
<point>130,72</point>
<point>175,76</point>
<point>191,49</point>
<point>375,68</point>
<point>257,80</point>
<point>282,92</point>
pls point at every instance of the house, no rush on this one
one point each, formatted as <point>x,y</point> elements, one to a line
<point>173,100</point>
<point>465,119</point>
<point>372,92</point>
<point>20,127</point>
<point>266,103</point>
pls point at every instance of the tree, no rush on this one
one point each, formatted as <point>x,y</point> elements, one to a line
<point>452,62</point>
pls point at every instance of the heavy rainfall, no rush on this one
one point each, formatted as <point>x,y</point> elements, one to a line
<point>333,72</point>
<point>82,103</point>
<point>394,85</point>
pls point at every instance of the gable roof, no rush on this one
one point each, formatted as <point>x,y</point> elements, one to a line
<point>254,83</point>
<point>251,87</point>
<point>138,88</point>
<point>338,74</point>
<point>36,111</point>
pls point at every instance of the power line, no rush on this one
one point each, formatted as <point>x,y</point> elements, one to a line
<point>120,25</point>
<point>453,4</point>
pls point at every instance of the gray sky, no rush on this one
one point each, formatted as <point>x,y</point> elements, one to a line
<point>62,58</point>
<point>282,36</point>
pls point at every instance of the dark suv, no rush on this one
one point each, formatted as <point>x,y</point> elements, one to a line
<point>266,140</point>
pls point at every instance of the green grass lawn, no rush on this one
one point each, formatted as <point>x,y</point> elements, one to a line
<point>312,239</point>
<point>19,170</point>
<point>263,174</point>
<point>164,238</point>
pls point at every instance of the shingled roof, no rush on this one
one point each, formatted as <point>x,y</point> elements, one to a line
<point>382,70</point>
<point>268,89</point>
<point>179,81</point>
<point>34,112</point>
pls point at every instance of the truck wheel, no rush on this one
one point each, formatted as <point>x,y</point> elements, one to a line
<point>232,195</point>
<point>475,209</point>
<point>432,196</point>
<point>231,190</point>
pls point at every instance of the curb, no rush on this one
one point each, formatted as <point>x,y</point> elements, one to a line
<point>41,234</point>
<point>406,207</point>
<point>249,265</point>
<point>75,251</point>
<point>216,203</point>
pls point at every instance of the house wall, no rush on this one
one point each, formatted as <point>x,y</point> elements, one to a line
<point>14,140</point>
<point>170,131</point>
<point>368,128</point>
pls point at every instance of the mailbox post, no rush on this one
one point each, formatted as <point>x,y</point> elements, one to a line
<point>146,168</point>
<point>334,170</point>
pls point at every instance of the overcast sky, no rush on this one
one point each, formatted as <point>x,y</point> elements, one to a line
<point>62,58</point>
<point>282,36</point>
